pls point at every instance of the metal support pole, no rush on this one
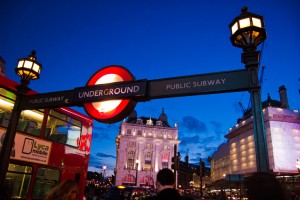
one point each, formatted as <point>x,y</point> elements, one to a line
<point>175,165</point>
<point>201,180</point>
<point>136,173</point>
<point>251,60</point>
<point>10,137</point>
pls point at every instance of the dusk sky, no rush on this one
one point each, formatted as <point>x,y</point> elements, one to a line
<point>153,40</point>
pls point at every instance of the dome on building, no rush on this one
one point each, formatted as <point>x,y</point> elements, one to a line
<point>271,102</point>
<point>161,121</point>
<point>132,116</point>
<point>163,117</point>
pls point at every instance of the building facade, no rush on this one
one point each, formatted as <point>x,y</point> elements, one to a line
<point>220,164</point>
<point>282,126</point>
<point>191,177</point>
<point>144,146</point>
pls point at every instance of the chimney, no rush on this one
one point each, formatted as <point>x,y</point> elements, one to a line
<point>2,67</point>
<point>283,97</point>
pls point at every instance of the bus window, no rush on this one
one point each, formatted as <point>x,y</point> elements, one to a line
<point>4,118</point>
<point>6,105</point>
<point>31,122</point>
<point>17,181</point>
<point>46,179</point>
<point>63,129</point>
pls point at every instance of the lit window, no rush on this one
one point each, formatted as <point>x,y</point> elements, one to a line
<point>148,161</point>
<point>45,179</point>
<point>131,144</point>
<point>139,132</point>
<point>63,129</point>
<point>130,160</point>
<point>160,134</point>
<point>165,160</point>
<point>18,179</point>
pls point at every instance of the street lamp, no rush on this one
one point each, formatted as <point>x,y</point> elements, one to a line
<point>247,32</point>
<point>298,165</point>
<point>104,170</point>
<point>136,171</point>
<point>28,69</point>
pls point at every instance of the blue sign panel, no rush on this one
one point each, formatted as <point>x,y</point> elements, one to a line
<point>229,81</point>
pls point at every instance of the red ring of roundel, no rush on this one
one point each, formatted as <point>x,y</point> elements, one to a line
<point>126,105</point>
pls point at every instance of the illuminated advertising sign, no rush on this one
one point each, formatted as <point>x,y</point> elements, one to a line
<point>110,111</point>
<point>29,149</point>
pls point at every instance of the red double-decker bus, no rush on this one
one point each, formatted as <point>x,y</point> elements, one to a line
<point>51,145</point>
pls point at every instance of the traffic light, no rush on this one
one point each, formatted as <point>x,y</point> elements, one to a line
<point>178,161</point>
<point>174,163</point>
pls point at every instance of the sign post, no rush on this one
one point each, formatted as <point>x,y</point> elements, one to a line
<point>123,94</point>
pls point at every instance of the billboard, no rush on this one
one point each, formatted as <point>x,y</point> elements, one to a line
<point>29,149</point>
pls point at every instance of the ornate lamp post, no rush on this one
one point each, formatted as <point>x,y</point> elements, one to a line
<point>28,69</point>
<point>136,171</point>
<point>247,32</point>
<point>298,165</point>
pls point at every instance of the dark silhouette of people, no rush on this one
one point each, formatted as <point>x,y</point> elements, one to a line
<point>265,186</point>
<point>66,190</point>
<point>165,186</point>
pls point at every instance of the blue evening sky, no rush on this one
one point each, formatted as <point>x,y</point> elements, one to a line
<point>153,39</point>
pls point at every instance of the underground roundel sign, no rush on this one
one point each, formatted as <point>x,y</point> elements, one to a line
<point>110,111</point>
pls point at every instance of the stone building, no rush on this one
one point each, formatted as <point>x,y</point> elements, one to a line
<point>144,146</point>
<point>191,178</point>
